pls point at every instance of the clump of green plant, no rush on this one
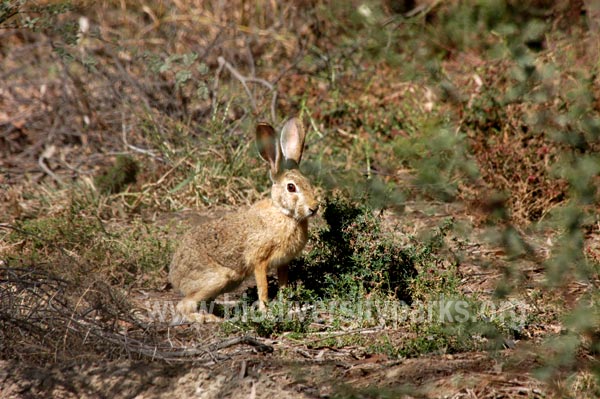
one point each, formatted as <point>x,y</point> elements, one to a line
<point>286,313</point>
<point>451,325</point>
<point>353,256</point>
<point>441,318</point>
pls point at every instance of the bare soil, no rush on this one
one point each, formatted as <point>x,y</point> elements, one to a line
<point>288,372</point>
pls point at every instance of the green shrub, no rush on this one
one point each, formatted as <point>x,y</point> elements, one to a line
<point>353,256</point>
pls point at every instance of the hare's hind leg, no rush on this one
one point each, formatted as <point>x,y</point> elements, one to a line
<point>204,286</point>
<point>187,310</point>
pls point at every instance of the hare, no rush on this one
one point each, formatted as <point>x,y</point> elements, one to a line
<point>215,257</point>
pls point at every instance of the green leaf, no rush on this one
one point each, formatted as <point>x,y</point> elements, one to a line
<point>182,76</point>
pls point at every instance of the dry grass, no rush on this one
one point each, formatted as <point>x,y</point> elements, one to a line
<point>106,97</point>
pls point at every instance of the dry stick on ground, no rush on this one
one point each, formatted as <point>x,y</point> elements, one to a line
<point>32,299</point>
<point>124,129</point>
<point>157,352</point>
<point>47,154</point>
<point>243,80</point>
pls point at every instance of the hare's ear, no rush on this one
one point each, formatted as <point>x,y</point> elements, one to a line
<point>268,147</point>
<point>292,142</point>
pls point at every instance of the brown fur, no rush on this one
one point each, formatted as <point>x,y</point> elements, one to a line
<point>215,257</point>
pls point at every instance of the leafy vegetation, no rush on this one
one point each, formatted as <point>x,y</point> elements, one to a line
<point>352,256</point>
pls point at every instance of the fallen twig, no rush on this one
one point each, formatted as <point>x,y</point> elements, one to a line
<point>244,80</point>
<point>32,301</point>
<point>47,154</point>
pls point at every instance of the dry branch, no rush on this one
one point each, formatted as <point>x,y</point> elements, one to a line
<point>243,80</point>
<point>42,313</point>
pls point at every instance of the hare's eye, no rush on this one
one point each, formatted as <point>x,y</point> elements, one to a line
<point>291,188</point>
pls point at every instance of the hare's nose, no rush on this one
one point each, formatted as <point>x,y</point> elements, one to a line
<point>314,209</point>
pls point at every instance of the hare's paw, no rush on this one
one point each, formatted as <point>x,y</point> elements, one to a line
<point>197,317</point>
<point>187,313</point>
<point>202,318</point>
<point>262,306</point>
<point>178,319</point>
<point>187,306</point>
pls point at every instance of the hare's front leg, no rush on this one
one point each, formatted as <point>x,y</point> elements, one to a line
<point>260,275</point>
